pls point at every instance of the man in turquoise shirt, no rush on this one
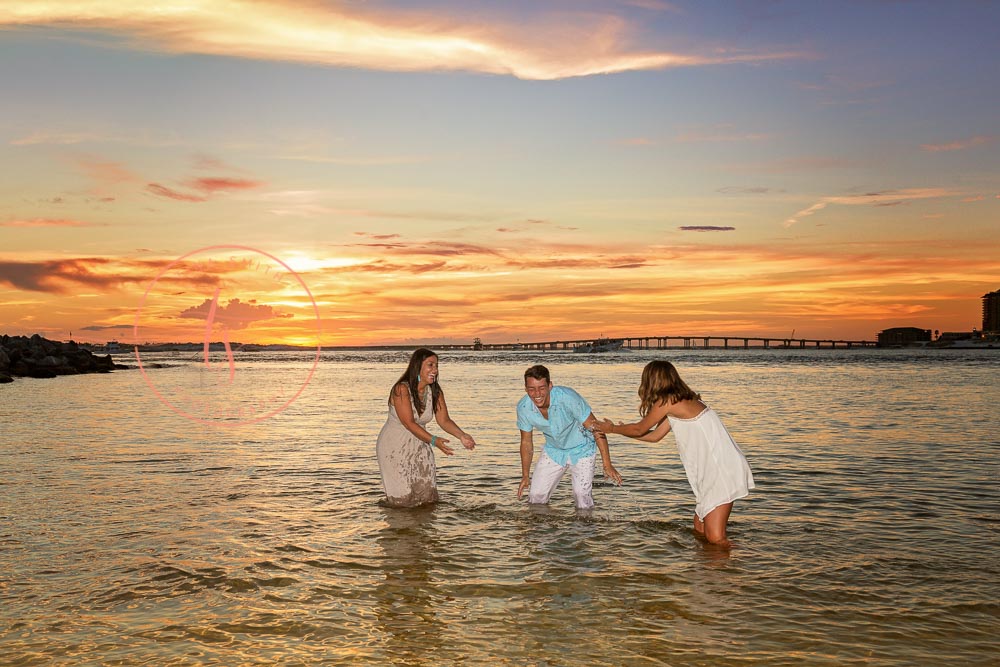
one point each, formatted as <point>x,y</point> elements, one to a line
<point>563,416</point>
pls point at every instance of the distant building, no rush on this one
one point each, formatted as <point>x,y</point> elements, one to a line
<point>903,336</point>
<point>952,336</point>
<point>991,312</point>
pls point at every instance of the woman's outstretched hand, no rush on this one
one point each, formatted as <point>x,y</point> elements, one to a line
<point>604,426</point>
<point>442,444</point>
<point>468,441</point>
<point>593,424</point>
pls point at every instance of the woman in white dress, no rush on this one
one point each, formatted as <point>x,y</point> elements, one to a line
<point>716,468</point>
<point>405,447</point>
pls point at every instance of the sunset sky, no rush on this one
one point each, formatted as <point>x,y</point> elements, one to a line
<point>439,171</point>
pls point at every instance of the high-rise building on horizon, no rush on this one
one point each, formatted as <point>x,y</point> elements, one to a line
<point>991,312</point>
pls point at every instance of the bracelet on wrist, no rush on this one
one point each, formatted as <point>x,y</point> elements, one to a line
<point>433,441</point>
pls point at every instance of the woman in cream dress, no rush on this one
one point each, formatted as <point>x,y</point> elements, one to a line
<point>405,449</point>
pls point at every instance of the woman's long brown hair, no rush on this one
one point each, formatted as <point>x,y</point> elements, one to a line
<point>411,378</point>
<point>661,383</point>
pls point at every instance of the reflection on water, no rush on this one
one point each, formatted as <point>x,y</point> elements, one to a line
<point>131,536</point>
<point>406,598</point>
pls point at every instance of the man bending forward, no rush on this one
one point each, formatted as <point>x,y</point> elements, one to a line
<point>563,416</point>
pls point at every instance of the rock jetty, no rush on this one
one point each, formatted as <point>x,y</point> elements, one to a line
<point>38,357</point>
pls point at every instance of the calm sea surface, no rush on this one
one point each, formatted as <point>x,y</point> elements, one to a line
<point>131,535</point>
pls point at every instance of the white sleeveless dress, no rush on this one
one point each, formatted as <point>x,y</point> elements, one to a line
<point>716,468</point>
<point>407,463</point>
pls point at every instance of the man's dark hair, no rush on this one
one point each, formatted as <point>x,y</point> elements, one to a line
<point>538,372</point>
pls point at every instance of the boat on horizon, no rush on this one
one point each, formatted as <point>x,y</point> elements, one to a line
<point>600,345</point>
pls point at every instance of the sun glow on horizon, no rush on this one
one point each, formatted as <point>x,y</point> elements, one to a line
<point>452,171</point>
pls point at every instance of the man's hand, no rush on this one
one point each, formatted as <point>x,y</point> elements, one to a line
<point>612,474</point>
<point>525,483</point>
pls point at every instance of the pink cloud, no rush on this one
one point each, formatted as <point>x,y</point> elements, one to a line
<point>636,141</point>
<point>105,172</point>
<point>163,191</point>
<point>718,133</point>
<point>222,184</point>
<point>959,145</point>
<point>235,314</point>
<point>208,186</point>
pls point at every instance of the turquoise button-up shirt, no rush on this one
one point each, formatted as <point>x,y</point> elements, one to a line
<point>566,440</point>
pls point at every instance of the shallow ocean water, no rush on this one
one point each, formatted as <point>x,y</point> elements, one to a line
<point>132,535</point>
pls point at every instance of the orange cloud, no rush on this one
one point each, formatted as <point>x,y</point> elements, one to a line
<point>60,276</point>
<point>424,290</point>
<point>54,276</point>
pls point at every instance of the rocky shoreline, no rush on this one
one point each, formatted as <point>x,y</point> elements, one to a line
<point>38,357</point>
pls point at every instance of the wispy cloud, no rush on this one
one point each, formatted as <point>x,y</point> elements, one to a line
<point>884,198</point>
<point>209,186</point>
<point>222,184</point>
<point>527,224</point>
<point>746,190</point>
<point>72,138</point>
<point>717,134</point>
<point>58,138</point>
<point>796,165</point>
<point>357,161</point>
<point>106,327</point>
<point>654,5</point>
<point>169,193</point>
<point>636,141</point>
<point>379,237</point>
<point>433,248</point>
<point>960,145</point>
<point>551,46</point>
<point>46,222</point>
<point>105,172</point>
<point>705,228</point>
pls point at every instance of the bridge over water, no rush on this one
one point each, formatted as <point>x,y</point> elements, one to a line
<point>684,342</point>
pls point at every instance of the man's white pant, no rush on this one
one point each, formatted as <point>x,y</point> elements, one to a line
<point>547,474</point>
